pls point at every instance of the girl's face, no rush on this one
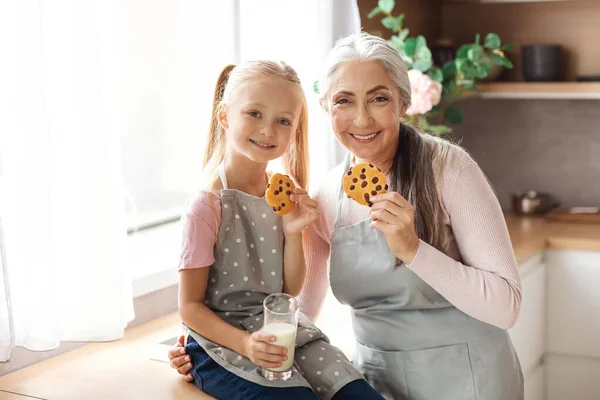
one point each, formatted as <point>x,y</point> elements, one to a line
<point>364,105</point>
<point>261,120</point>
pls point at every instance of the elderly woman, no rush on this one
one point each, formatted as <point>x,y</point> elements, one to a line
<point>428,268</point>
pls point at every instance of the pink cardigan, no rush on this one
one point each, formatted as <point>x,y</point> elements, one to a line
<point>479,274</point>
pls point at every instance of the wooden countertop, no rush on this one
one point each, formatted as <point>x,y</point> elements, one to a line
<point>531,235</point>
<point>116,370</point>
<point>124,369</point>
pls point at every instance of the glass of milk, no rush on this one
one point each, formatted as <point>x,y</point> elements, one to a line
<point>281,320</point>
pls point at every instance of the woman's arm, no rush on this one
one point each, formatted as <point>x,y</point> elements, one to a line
<point>316,251</point>
<point>294,223</point>
<point>487,284</point>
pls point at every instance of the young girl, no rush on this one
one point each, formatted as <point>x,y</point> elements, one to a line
<point>237,251</point>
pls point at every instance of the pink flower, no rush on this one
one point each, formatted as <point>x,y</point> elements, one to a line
<point>425,92</point>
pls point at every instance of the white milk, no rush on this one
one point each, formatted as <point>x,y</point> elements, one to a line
<point>285,335</point>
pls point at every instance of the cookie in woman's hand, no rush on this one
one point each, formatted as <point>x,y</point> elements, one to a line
<point>278,193</point>
<point>363,181</point>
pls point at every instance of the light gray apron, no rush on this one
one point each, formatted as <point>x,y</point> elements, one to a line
<point>411,342</point>
<point>248,267</point>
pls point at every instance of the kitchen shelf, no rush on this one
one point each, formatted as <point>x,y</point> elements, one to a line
<point>541,90</point>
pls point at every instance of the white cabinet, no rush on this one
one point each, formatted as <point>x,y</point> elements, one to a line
<point>574,378</point>
<point>535,385</point>
<point>573,307</point>
<point>529,334</point>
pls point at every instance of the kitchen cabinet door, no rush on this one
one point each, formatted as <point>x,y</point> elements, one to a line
<point>573,307</point>
<point>575,378</point>
<point>528,335</point>
<point>535,384</point>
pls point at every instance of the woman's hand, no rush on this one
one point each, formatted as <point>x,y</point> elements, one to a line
<point>260,351</point>
<point>304,213</point>
<point>395,218</point>
<point>180,360</point>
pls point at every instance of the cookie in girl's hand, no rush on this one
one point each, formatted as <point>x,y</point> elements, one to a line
<point>278,193</point>
<point>363,181</point>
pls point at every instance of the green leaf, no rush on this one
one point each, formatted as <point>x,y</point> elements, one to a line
<point>397,42</point>
<point>449,69</point>
<point>387,5</point>
<point>423,54</point>
<point>483,69</point>
<point>477,38</point>
<point>393,23</point>
<point>466,68</point>
<point>404,34</point>
<point>499,60</point>
<point>316,87</point>
<point>409,47</point>
<point>492,41</point>
<point>421,43</point>
<point>475,53</point>
<point>436,74</point>
<point>400,19</point>
<point>463,51</point>
<point>496,59</point>
<point>508,47</point>
<point>423,65</point>
<point>453,115</point>
<point>438,129</point>
<point>390,23</point>
<point>374,12</point>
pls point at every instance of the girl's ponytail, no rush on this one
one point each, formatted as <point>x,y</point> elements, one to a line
<point>295,160</point>
<point>215,144</point>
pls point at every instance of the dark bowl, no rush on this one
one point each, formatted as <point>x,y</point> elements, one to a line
<point>542,62</point>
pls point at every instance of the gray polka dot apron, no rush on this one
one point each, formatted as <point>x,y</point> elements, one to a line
<point>412,344</point>
<point>248,267</point>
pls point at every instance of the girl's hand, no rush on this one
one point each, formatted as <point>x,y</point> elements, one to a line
<point>258,349</point>
<point>304,213</point>
<point>180,360</point>
<point>395,218</point>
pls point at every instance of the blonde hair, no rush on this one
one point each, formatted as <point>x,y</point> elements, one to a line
<point>420,158</point>
<point>233,79</point>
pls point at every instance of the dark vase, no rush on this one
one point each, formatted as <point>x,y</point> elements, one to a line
<point>542,62</point>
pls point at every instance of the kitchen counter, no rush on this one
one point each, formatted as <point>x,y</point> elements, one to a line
<point>531,235</point>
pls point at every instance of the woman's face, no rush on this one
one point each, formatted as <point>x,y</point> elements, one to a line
<point>364,105</point>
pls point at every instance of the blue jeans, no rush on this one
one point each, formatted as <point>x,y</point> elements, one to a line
<point>224,385</point>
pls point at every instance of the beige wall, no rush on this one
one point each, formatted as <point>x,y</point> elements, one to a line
<point>549,145</point>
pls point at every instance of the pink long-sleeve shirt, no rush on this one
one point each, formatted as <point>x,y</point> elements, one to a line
<point>479,274</point>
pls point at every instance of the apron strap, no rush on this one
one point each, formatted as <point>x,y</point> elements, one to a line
<point>341,197</point>
<point>223,176</point>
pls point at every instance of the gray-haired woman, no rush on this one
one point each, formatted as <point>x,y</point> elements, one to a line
<point>428,269</point>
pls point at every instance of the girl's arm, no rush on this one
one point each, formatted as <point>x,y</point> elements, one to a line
<point>195,314</point>
<point>294,267</point>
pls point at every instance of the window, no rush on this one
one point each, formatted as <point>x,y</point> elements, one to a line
<point>172,53</point>
<point>171,59</point>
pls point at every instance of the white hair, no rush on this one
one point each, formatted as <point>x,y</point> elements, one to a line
<point>365,47</point>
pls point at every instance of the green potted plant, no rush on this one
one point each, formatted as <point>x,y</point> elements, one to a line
<point>435,90</point>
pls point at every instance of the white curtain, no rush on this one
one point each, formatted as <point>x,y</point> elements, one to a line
<point>301,33</point>
<point>63,230</point>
